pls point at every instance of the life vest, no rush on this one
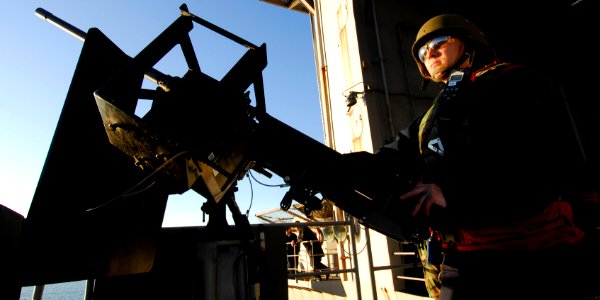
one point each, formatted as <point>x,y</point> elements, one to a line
<point>431,142</point>
<point>446,123</point>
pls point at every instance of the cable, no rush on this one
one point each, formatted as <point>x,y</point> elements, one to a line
<point>359,252</point>
<point>270,185</point>
<point>131,191</point>
<point>353,86</point>
<point>250,178</point>
<point>251,194</point>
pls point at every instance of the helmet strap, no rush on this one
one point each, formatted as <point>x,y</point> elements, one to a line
<point>446,72</point>
<point>425,84</point>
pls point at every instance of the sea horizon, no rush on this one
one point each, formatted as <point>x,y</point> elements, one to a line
<point>72,290</point>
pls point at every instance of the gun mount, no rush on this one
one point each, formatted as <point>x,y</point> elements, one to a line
<point>201,134</point>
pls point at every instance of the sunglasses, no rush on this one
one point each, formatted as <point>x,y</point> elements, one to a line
<point>434,44</point>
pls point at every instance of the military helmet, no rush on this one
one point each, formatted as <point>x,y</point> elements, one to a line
<point>452,25</point>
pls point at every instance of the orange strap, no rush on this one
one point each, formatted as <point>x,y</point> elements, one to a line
<point>590,197</point>
<point>552,227</point>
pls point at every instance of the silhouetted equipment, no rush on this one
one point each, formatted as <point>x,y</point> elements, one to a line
<point>98,208</point>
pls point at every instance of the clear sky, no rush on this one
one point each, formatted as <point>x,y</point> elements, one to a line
<point>37,61</point>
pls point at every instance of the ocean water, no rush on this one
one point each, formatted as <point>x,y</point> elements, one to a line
<point>74,290</point>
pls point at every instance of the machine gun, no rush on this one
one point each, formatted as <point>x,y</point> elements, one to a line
<point>117,169</point>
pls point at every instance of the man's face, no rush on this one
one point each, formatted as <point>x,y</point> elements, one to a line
<point>440,53</point>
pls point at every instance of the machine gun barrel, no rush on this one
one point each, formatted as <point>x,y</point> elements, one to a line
<point>153,75</point>
<point>72,30</point>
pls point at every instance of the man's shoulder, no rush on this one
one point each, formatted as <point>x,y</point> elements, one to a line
<point>497,68</point>
<point>512,73</point>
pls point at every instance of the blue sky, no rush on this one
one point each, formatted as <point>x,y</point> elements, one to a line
<point>37,61</point>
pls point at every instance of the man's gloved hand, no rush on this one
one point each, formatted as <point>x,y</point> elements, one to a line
<point>428,196</point>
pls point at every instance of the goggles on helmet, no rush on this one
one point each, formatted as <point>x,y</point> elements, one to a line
<point>434,44</point>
